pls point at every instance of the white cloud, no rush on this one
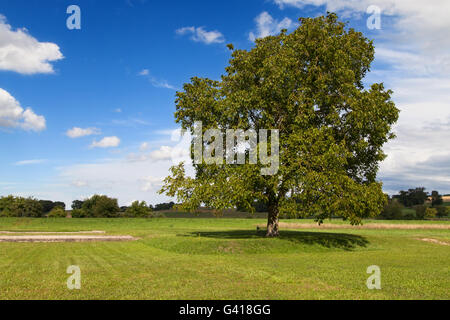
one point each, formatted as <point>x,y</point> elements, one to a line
<point>107,142</point>
<point>160,83</point>
<point>157,83</point>
<point>144,146</point>
<point>413,59</point>
<point>79,184</point>
<point>20,52</point>
<point>165,153</point>
<point>199,34</point>
<point>77,132</point>
<point>12,115</point>
<point>266,25</point>
<point>151,184</point>
<point>144,72</point>
<point>117,178</point>
<point>176,154</point>
<point>416,25</point>
<point>29,162</point>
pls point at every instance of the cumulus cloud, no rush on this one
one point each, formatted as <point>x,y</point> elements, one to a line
<point>413,59</point>
<point>107,142</point>
<point>77,132</point>
<point>199,34</point>
<point>177,153</point>
<point>12,115</point>
<point>266,25</point>
<point>20,52</point>
<point>119,178</point>
<point>151,184</point>
<point>169,153</point>
<point>143,146</point>
<point>416,26</point>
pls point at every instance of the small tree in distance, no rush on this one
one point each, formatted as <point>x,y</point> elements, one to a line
<point>308,85</point>
<point>57,212</point>
<point>436,199</point>
<point>138,210</point>
<point>100,206</point>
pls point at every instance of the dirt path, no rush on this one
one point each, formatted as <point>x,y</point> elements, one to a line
<point>55,232</point>
<point>442,243</point>
<point>64,238</point>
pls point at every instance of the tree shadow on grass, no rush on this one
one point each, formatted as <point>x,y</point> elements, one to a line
<point>326,239</point>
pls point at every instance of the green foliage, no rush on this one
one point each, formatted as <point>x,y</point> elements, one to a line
<point>164,206</point>
<point>412,197</point>
<point>77,204</point>
<point>57,212</point>
<point>99,206</point>
<point>11,206</point>
<point>430,213</point>
<point>48,205</point>
<point>258,206</point>
<point>436,199</point>
<point>78,213</point>
<point>420,212</point>
<point>442,211</point>
<point>138,210</point>
<point>309,85</point>
<point>393,210</point>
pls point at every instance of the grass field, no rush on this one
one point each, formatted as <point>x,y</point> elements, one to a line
<point>224,259</point>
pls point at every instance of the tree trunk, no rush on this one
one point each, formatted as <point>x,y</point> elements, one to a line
<point>272,222</point>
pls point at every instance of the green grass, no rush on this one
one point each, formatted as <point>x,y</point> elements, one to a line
<point>223,259</point>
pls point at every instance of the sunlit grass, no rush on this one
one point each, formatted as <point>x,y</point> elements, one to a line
<point>223,259</point>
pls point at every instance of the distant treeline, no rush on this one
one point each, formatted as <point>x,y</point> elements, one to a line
<point>98,206</point>
<point>415,204</point>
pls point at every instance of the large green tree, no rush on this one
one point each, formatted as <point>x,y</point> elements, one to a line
<point>307,84</point>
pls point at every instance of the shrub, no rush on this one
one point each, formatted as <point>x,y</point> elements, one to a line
<point>79,213</point>
<point>430,213</point>
<point>138,210</point>
<point>100,207</point>
<point>48,206</point>
<point>392,210</point>
<point>409,216</point>
<point>20,207</point>
<point>158,215</point>
<point>164,206</point>
<point>420,212</point>
<point>57,212</point>
<point>442,211</point>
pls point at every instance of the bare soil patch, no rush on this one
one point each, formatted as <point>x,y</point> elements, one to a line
<point>54,232</point>
<point>391,226</point>
<point>64,238</point>
<point>442,243</point>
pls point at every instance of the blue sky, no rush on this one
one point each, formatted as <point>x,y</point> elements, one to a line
<point>91,111</point>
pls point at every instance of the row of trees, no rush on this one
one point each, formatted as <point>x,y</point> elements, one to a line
<point>394,210</point>
<point>98,206</point>
<point>11,206</point>
<point>415,204</point>
<point>104,207</point>
<point>419,196</point>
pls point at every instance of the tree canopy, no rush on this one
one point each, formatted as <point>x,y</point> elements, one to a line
<point>308,85</point>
